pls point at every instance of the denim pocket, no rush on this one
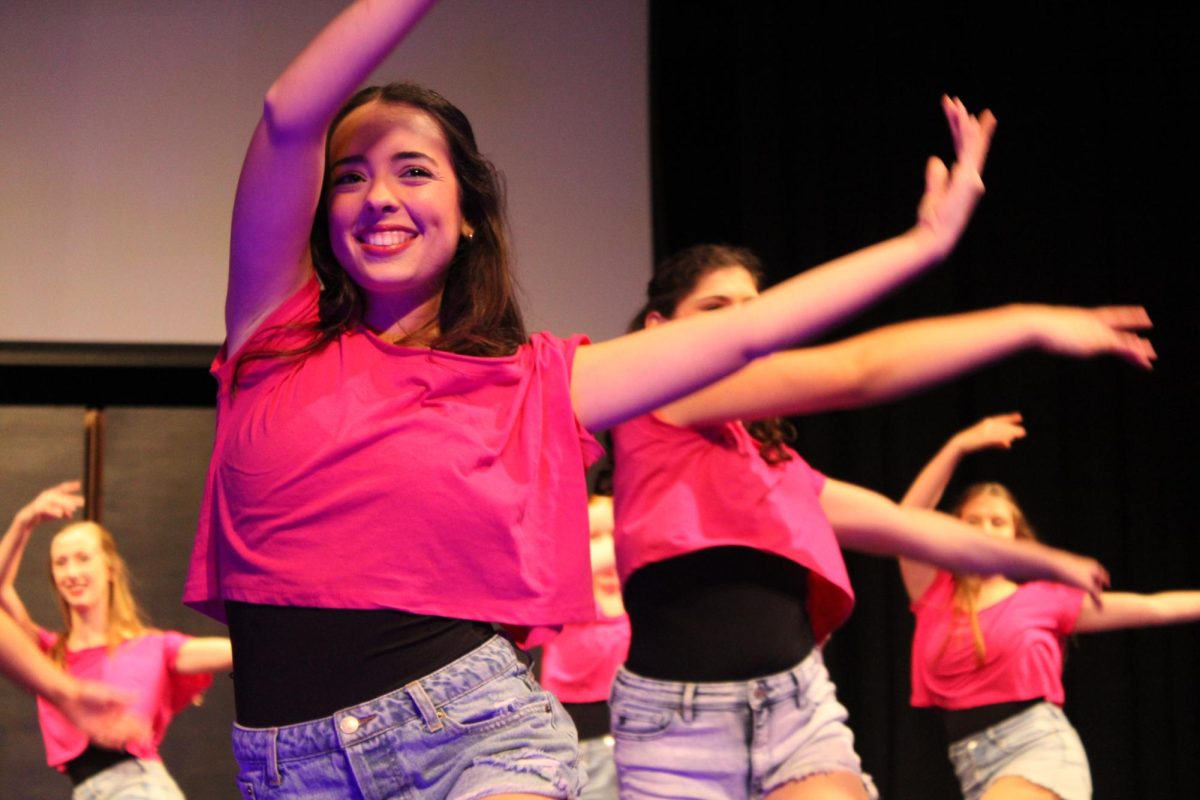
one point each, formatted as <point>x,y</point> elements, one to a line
<point>495,705</point>
<point>632,721</point>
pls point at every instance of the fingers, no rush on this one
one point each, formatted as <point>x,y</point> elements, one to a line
<point>972,135</point>
<point>936,176</point>
<point>1128,318</point>
<point>1136,350</point>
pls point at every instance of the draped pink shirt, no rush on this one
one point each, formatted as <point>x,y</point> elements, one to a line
<point>679,490</point>
<point>1024,636</point>
<point>372,476</point>
<point>143,667</point>
<point>579,664</point>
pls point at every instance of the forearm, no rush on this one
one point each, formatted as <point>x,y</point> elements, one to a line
<point>207,654</point>
<point>12,550</point>
<point>1120,610</point>
<point>24,663</point>
<point>614,380</point>
<point>309,92</point>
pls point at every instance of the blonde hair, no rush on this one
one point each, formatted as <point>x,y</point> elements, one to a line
<point>125,618</point>
<point>966,587</point>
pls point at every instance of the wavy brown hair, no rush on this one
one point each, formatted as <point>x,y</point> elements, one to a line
<point>125,618</point>
<point>966,587</point>
<point>674,279</point>
<point>479,314</point>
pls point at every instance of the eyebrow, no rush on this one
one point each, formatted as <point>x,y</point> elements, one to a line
<point>403,155</point>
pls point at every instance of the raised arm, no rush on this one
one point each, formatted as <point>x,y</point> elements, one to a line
<point>632,374</point>
<point>927,488</point>
<point>897,360</point>
<point>280,183</point>
<point>97,710</point>
<point>57,502</point>
<point>866,521</point>
<point>1126,610</point>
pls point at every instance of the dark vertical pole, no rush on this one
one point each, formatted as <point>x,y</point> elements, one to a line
<point>93,462</point>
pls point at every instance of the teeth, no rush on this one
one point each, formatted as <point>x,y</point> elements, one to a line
<point>385,238</point>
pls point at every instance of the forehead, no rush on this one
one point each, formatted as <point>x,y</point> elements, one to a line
<point>74,541</point>
<point>400,127</point>
<point>735,282</point>
<point>987,505</point>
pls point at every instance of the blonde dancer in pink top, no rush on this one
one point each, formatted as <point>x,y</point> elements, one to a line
<point>105,639</point>
<point>988,651</point>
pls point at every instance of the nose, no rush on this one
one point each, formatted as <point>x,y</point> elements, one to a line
<point>381,197</point>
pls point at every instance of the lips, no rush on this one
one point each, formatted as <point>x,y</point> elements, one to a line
<point>385,241</point>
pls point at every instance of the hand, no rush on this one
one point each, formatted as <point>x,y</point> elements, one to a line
<point>56,503</point>
<point>998,431</point>
<point>950,195</point>
<point>1082,573</point>
<point>100,712</point>
<point>1086,332</point>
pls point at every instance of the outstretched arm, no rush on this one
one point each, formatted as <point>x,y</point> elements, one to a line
<point>897,360</point>
<point>1126,610</point>
<point>97,710</point>
<point>867,521</point>
<point>281,176</point>
<point>632,374</point>
<point>57,502</point>
<point>927,488</point>
<point>204,654</point>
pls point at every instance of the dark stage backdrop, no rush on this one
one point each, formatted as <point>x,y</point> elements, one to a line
<point>802,132</point>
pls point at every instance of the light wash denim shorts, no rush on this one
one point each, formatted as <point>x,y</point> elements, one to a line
<point>596,757</point>
<point>729,741</point>
<point>132,779</point>
<point>479,726</point>
<point>1037,744</point>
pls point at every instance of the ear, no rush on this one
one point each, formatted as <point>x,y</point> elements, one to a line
<point>468,232</point>
<point>654,318</point>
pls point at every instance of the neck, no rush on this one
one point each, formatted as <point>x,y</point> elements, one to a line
<point>89,627</point>
<point>407,318</point>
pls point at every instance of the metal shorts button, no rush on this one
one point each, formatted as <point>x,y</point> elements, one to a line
<point>348,725</point>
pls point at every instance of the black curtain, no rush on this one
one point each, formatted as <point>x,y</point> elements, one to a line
<point>802,131</point>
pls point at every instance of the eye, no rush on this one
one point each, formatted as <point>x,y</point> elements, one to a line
<point>414,171</point>
<point>347,178</point>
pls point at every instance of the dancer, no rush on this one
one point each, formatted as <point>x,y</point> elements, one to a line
<point>578,665</point>
<point>989,652</point>
<point>105,638</point>
<point>731,570</point>
<point>397,465</point>
<point>96,709</point>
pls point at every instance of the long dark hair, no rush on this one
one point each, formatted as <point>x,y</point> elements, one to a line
<point>479,314</point>
<point>676,277</point>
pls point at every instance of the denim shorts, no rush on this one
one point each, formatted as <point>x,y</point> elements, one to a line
<point>596,757</point>
<point>1037,744</point>
<point>725,741</point>
<point>132,779</point>
<point>479,726</point>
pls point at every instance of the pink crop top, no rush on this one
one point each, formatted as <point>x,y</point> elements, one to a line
<point>1023,634</point>
<point>144,667</point>
<point>372,476</point>
<point>679,490</point>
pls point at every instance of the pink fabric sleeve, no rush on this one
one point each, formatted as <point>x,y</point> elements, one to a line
<point>183,690</point>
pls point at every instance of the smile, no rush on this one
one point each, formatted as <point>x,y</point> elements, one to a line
<point>385,240</point>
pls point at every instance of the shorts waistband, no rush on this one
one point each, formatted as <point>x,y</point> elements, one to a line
<point>421,699</point>
<point>1007,726</point>
<point>724,694</point>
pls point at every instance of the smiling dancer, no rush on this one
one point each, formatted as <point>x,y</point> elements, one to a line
<point>398,465</point>
<point>105,638</point>
<point>989,652</point>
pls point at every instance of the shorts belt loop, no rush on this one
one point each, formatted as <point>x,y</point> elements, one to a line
<point>688,706</point>
<point>273,775</point>
<point>425,706</point>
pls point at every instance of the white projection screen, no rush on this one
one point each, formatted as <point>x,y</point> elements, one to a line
<point>123,124</point>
